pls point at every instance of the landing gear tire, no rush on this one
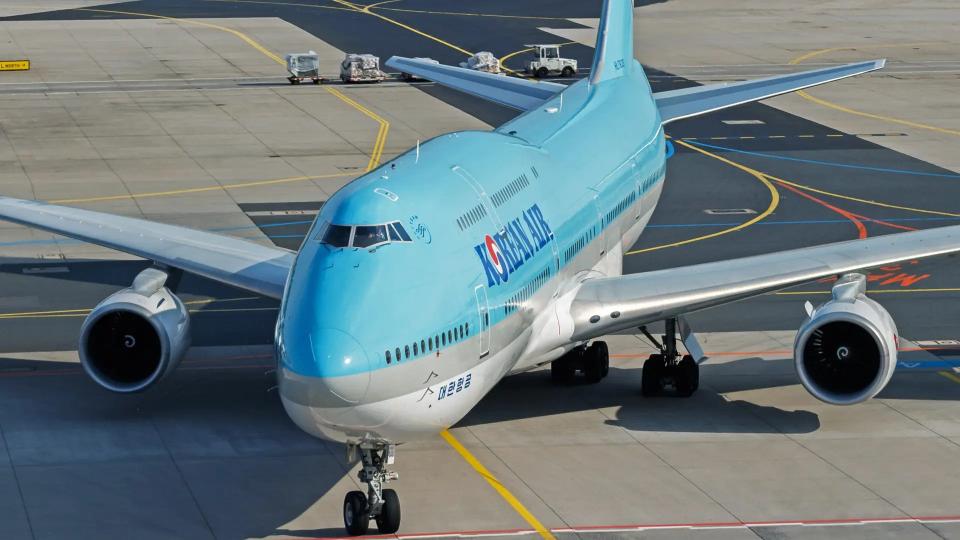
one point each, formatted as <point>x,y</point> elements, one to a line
<point>652,381</point>
<point>596,362</point>
<point>687,377</point>
<point>356,518</point>
<point>379,503</point>
<point>563,370</point>
<point>542,73</point>
<point>567,72</point>
<point>388,521</point>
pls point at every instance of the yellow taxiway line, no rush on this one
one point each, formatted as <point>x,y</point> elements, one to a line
<point>218,187</point>
<point>496,485</point>
<point>848,110</point>
<point>86,311</point>
<point>375,154</point>
<point>774,202</point>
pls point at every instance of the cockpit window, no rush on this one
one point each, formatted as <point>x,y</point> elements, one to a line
<point>363,236</point>
<point>397,228</point>
<point>336,235</point>
<point>370,235</point>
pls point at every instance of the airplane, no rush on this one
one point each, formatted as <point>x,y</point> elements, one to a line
<point>481,254</point>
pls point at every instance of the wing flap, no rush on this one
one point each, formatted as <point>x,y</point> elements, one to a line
<point>687,102</point>
<point>229,260</point>
<point>653,296</point>
<point>512,92</point>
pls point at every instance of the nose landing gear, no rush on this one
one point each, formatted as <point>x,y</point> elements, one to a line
<point>668,369</point>
<point>379,504</point>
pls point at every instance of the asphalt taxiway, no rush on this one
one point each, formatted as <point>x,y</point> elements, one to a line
<point>178,111</point>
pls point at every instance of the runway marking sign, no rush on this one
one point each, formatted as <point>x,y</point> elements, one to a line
<point>14,65</point>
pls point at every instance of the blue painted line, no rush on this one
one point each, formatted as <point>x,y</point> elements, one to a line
<point>671,150</point>
<point>265,226</point>
<point>825,163</point>
<point>927,364</point>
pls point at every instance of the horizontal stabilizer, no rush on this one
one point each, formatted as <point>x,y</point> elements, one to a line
<point>687,102</point>
<point>517,93</point>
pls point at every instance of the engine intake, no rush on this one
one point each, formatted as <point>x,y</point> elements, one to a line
<point>136,336</point>
<point>846,351</point>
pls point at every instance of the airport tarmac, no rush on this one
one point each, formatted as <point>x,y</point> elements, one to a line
<point>178,111</point>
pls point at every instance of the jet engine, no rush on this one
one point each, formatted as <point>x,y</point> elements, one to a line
<point>136,336</point>
<point>846,351</point>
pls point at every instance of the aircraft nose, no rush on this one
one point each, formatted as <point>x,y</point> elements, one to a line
<point>341,364</point>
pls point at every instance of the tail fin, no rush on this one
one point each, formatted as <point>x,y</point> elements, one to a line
<point>613,57</point>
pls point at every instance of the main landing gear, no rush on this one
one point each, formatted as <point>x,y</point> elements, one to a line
<point>592,363</point>
<point>381,505</point>
<point>668,370</point>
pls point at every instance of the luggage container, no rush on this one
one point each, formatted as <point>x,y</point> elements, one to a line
<point>483,61</point>
<point>357,68</point>
<point>303,67</point>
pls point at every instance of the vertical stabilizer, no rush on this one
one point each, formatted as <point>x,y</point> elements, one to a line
<point>613,57</point>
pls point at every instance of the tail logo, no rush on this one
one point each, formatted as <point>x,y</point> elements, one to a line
<point>496,257</point>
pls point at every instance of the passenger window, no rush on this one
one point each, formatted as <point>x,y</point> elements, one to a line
<point>335,235</point>
<point>466,328</point>
<point>444,338</point>
<point>397,351</point>
<point>387,354</point>
<point>430,343</point>
<point>461,331</point>
<point>423,346</point>
<point>370,235</point>
<point>406,351</point>
<point>415,349</point>
<point>450,336</point>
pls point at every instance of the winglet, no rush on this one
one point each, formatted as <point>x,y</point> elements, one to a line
<point>613,57</point>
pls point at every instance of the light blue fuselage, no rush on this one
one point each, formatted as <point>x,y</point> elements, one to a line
<point>506,217</point>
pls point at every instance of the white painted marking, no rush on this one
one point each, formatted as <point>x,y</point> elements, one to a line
<point>743,122</point>
<point>728,211</point>
<point>46,270</point>
<point>260,213</point>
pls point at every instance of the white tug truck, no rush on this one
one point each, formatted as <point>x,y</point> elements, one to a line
<point>546,60</point>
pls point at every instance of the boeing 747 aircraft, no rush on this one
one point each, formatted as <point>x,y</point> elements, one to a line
<point>481,254</point>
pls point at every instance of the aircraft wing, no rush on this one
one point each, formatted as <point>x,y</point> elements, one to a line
<point>229,260</point>
<point>606,305</point>
<point>687,102</point>
<point>510,91</point>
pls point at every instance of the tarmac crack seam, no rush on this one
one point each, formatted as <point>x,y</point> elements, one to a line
<point>16,480</point>
<point>496,485</point>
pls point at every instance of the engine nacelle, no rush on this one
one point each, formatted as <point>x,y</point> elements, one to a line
<point>136,336</point>
<point>846,351</point>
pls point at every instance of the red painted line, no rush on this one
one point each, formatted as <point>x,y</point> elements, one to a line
<point>656,526</point>
<point>861,229</point>
<point>783,351</point>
